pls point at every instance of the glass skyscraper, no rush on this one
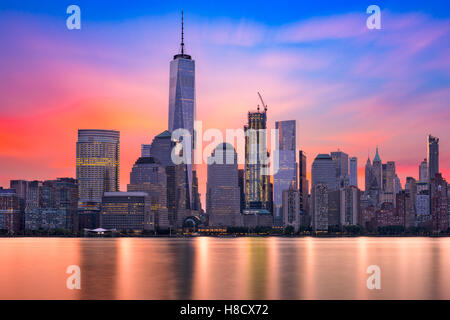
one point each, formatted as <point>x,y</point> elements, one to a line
<point>433,156</point>
<point>97,164</point>
<point>354,171</point>
<point>182,100</point>
<point>286,176</point>
<point>257,183</point>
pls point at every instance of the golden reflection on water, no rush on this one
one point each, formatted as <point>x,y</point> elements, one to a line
<point>225,268</point>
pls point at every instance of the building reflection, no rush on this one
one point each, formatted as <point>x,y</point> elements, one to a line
<point>99,271</point>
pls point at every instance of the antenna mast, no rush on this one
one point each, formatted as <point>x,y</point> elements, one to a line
<point>182,33</point>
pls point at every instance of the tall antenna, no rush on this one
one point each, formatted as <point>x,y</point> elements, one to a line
<point>182,33</point>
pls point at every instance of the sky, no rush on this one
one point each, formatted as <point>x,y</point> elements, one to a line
<point>348,87</point>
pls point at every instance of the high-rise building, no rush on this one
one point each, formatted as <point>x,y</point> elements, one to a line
<point>98,160</point>
<point>354,171</point>
<point>241,175</point>
<point>319,196</point>
<point>433,156</point>
<point>334,209</point>
<point>439,203</point>
<point>324,172</point>
<point>97,170</point>
<point>389,177</point>
<point>405,208</point>
<point>350,206</point>
<point>182,103</point>
<point>57,205</point>
<point>286,176</point>
<point>423,171</point>
<point>149,176</point>
<point>222,188</point>
<point>341,161</point>
<point>11,208</point>
<point>377,171</point>
<point>291,207</point>
<point>257,182</point>
<point>302,183</point>
<point>178,203</point>
<point>368,176</point>
<point>125,211</point>
<point>145,150</point>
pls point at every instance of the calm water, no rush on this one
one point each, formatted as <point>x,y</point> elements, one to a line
<point>212,268</point>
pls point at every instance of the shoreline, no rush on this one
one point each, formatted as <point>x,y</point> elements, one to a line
<point>232,236</point>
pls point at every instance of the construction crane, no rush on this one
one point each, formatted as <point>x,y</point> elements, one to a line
<point>262,101</point>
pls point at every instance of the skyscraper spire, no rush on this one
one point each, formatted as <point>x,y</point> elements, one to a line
<point>182,33</point>
<point>377,156</point>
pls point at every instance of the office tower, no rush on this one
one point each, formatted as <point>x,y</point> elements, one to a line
<point>423,206</point>
<point>354,171</point>
<point>149,176</point>
<point>124,211</point>
<point>97,170</point>
<point>439,203</point>
<point>178,198</point>
<point>291,207</point>
<point>20,186</point>
<point>389,177</point>
<point>405,208</point>
<point>257,182</point>
<point>397,184</point>
<point>222,188</point>
<point>377,171</point>
<point>57,209</point>
<point>302,183</point>
<point>241,175</point>
<point>341,162</point>
<point>33,195</point>
<point>389,187</point>
<point>369,177</point>
<point>411,186</point>
<point>145,150</point>
<point>423,171</point>
<point>11,208</point>
<point>334,209</point>
<point>324,172</point>
<point>98,159</point>
<point>319,195</point>
<point>182,103</point>
<point>350,206</point>
<point>286,176</point>
<point>433,156</point>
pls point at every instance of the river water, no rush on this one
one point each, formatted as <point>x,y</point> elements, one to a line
<point>225,268</point>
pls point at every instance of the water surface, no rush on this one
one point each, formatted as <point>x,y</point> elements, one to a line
<point>222,268</point>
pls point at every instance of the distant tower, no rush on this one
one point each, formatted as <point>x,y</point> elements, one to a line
<point>368,175</point>
<point>323,171</point>
<point>302,183</point>
<point>341,161</point>
<point>182,101</point>
<point>423,171</point>
<point>354,171</point>
<point>97,153</point>
<point>257,193</point>
<point>433,156</point>
<point>286,177</point>
<point>377,170</point>
<point>222,189</point>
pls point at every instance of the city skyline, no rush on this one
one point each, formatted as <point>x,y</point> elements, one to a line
<point>134,109</point>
